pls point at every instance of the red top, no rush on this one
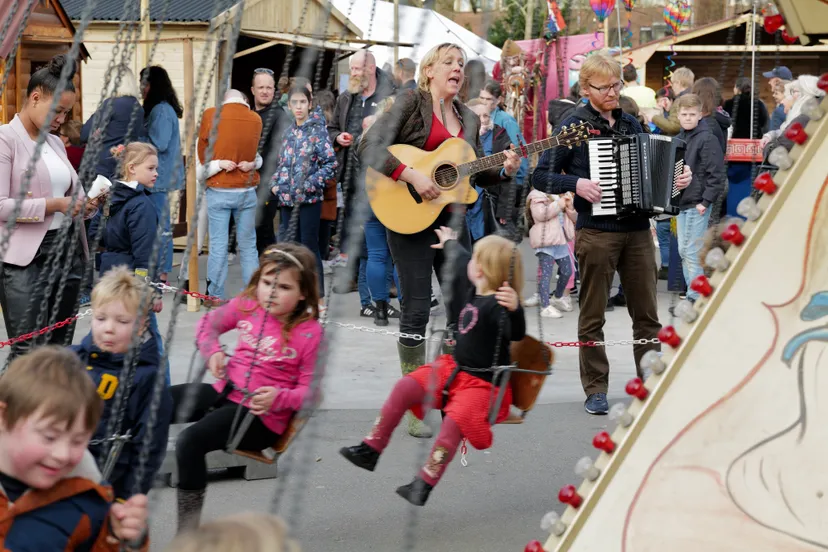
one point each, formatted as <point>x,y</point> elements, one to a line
<point>437,136</point>
<point>75,156</point>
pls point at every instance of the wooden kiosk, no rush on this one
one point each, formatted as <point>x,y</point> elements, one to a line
<point>723,448</point>
<point>48,32</point>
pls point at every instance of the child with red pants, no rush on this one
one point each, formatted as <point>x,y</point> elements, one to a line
<point>485,305</point>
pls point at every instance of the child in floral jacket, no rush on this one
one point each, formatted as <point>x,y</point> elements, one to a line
<point>307,162</point>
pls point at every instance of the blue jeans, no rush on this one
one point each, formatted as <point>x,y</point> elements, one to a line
<point>307,233</point>
<point>160,200</point>
<point>221,205</point>
<point>691,228</point>
<point>380,268</point>
<point>663,235</point>
<point>153,328</point>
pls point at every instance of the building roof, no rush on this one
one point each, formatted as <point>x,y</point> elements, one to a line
<point>184,11</point>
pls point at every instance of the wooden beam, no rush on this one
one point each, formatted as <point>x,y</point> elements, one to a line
<point>3,95</point>
<point>193,304</point>
<point>258,48</point>
<point>46,31</point>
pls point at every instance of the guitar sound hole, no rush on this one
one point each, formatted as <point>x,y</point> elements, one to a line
<point>446,176</point>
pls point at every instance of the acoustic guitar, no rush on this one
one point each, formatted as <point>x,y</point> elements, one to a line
<point>400,208</point>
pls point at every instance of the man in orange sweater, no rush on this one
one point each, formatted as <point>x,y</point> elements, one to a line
<point>231,191</point>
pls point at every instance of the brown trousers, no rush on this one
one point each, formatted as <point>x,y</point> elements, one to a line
<point>600,254</point>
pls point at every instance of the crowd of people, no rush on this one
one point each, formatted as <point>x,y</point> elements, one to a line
<point>286,163</point>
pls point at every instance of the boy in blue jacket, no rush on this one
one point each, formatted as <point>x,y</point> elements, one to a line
<point>115,303</point>
<point>52,496</point>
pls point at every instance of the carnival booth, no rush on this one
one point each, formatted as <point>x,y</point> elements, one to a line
<point>47,32</point>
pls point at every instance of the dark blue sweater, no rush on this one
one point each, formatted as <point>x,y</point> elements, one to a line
<point>124,109</point>
<point>105,371</point>
<point>560,168</point>
<point>130,229</point>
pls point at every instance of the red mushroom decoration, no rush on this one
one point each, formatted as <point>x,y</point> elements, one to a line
<point>733,234</point>
<point>701,285</point>
<point>796,133</point>
<point>635,388</point>
<point>603,441</point>
<point>534,546</point>
<point>764,183</point>
<point>569,495</point>
<point>773,23</point>
<point>822,83</point>
<point>668,336</point>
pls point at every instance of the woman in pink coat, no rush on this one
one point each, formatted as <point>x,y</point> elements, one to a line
<point>551,225</point>
<point>31,215</point>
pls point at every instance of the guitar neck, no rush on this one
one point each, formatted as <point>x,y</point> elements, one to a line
<point>497,159</point>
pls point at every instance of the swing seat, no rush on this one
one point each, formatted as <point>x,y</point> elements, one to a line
<point>533,356</point>
<point>269,456</point>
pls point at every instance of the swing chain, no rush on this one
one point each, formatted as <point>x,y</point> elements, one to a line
<point>463,452</point>
<point>125,437</point>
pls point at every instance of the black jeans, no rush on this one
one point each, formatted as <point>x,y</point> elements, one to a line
<point>21,286</point>
<point>265,234</point>
<point>415,260</point>
<point>214,416</point>
<point>306,233</point>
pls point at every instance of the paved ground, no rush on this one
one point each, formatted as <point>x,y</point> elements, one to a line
<point>494,504</point>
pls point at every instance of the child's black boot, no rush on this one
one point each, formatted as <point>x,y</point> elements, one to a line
<point>361,456</point>
<point>416,492</point>
<point>190,504</point>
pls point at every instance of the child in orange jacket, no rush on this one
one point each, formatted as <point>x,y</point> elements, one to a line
<point>49,409</point>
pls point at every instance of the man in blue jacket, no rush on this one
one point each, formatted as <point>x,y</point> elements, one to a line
<point>115,300</point>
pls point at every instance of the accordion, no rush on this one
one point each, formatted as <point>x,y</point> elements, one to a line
<point>637,174</point>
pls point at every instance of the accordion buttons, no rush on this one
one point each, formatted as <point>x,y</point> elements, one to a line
<point>569,495</point>
<point>764,183</point>
<point>773,23</point>
<point>533,546</point>
<point>635,388</point>
<point>796,133</point>
<point>822,83</point>
<point>603,441</point>
<point>733,235</point>
<point>701,285</point>
<point>668,336</point>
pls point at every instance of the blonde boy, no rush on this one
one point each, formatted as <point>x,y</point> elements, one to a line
<point>704,156</point>
<point>48,411</point>
<point>116,304</point>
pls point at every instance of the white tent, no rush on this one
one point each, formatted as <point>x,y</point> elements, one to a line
<point>424,28</point>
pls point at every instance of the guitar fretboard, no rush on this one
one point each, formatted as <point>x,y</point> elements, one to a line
<point>497,159</point>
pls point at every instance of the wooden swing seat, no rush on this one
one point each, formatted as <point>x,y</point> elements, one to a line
<point>281,445</point>
<point>533,356</point>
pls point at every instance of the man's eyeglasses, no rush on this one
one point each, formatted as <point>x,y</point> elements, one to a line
<point>264,70</point>
<point>604,90</point>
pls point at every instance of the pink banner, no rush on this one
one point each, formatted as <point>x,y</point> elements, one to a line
<point>572,50</point>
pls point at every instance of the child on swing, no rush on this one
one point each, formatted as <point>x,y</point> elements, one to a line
<point>116,304</point>
<point>52,496</point>
<point>274,360</point>
<point>486,288</point>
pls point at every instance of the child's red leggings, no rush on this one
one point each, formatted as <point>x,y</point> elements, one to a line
<point>406,394</point>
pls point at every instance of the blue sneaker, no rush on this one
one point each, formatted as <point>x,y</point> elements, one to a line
<point>85,301</point>
<point>597,404</point>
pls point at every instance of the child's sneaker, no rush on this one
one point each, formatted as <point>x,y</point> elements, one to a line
<point>551,312</point>
<point>532,301</point>
<point>367,311</point>
<point>562,304</point>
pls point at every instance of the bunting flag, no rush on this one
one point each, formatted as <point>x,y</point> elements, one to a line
<point>556,22</point>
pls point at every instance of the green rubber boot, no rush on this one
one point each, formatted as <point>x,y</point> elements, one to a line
<point>412,358</point>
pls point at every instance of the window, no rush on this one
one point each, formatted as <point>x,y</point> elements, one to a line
<point>645,34</point>
<point>660,30</point>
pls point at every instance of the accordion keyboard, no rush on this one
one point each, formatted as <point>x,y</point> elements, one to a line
<point>603,168</point>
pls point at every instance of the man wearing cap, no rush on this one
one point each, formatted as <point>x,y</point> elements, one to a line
<point>778,74</point>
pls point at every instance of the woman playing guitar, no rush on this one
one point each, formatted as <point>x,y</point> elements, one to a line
<point>425,117</point>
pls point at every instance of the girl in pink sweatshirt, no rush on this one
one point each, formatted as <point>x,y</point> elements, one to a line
<point>274,360</point>
<point>551,219</point>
